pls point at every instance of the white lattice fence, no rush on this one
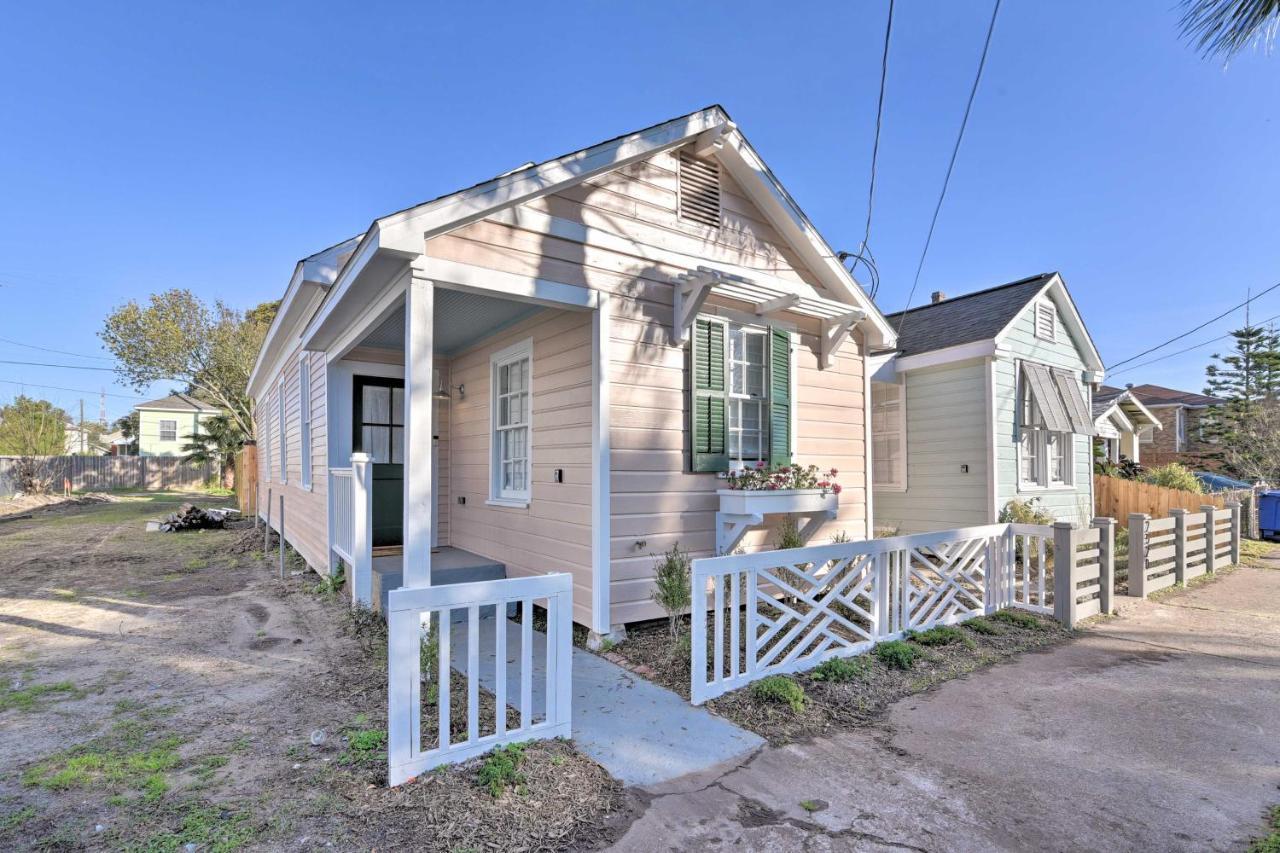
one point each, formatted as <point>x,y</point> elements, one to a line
<point>785,611</point>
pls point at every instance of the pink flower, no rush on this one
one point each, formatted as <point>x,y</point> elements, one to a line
<point>771,486</point>
<point>834,472</point>
<point>835,490</point>
<point>825,484</point>
<point>760,464</point>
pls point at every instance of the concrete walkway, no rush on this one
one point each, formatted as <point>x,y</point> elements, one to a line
<point>641,733</point>
<point>1157,730</point>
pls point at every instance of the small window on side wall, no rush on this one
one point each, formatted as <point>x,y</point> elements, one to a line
<point>888,436</point>
<point>168,430</point>
<point>511,402</point>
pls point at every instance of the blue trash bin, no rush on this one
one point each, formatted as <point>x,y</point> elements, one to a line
<point>1269,514</point>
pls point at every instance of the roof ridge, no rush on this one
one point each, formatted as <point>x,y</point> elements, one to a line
<point>953,299</point>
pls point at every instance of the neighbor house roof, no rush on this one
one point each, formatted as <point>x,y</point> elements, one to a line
<point>1157,395</point>
<point>976,316</point>
<point>1107,398</point>
<point>177,403</point>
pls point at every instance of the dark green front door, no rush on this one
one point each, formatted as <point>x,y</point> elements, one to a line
<point>378,429</point>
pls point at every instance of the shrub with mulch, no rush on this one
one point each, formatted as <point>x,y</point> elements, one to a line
<point>843,695</point>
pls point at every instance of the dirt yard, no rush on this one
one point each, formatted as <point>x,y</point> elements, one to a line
<point>160,690</point>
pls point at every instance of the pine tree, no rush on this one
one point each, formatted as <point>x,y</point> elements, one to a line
<point>1247,379</point>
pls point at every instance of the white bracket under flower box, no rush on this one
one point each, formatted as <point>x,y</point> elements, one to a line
<point>743,509</point>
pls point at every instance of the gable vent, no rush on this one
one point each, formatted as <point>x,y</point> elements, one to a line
<point>699,189</point>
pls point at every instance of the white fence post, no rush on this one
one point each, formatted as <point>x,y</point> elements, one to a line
<point>1179,544</point>
<point>1064,572</point>
<point>1138,554</point>
<point>362,530</point>
<point>1234,508</point>
<point>698,635</point>
<point>1210,538</point>
<point>1106,562</point>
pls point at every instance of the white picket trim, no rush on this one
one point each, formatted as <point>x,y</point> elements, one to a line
<point>341,512</point>
<point>406,608</point>
<point>803,606</point>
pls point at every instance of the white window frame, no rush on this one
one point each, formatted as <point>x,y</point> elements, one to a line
<point>164,421</point>
<point>304,417</point>
<point>898,482</point>
<point>1181,435</point>
<point>1044,307</point>
<point>736,400</point>
<point>498,496</point>
<point>1036,439</point>
<point>263,425</point>
<point>281,437</point>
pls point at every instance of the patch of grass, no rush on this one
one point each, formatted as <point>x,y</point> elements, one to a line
<point>330,586</point>
<point>154,787</point>
<point>780,689</point>
<point>365,745</point>
<point>983,625</point>
<point>27,698</point>
<point>811,806</point>
<point>1269,843</point>
<point>1253,549</point>
<point>841,669</point>
<point>897,654</point>
<point>127,706</point>
<point>942,635</point>
<point>196,563</point>
<point>127,755</point>
<point>1018,619</point>
<point>209,765</point>
<point>212,828</point>
<point>65,594</point>
<point>501,769</point>
<point>13,820</point>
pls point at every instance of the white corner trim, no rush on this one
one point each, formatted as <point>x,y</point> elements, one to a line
<point>868,462</point>
<point>601,484</point>
<point>993,454</point>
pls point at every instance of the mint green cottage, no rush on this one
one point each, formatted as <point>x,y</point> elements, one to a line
<point>167,424</point>
<point>987,399</point>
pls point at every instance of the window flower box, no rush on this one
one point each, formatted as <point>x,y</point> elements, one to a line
<point>793,501</point>
<point>787,490</point>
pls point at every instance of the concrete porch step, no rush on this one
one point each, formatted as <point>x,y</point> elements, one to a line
<point>448,566</point>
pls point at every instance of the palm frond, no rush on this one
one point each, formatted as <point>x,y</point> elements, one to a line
<point>1223,28</point>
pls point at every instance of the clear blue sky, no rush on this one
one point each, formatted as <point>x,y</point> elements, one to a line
<point>212,145</point>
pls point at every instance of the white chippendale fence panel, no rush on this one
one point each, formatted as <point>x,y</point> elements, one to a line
<point>527,675</point>
<point>784,611</point>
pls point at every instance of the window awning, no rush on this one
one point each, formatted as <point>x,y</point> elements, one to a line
<point>1047,399</point>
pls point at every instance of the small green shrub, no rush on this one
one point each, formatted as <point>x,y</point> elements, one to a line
<point>672,585</point>
<point>1269,843</point>
<point>330,585</point>
<point>365,742</point>
<point>941,635</point>
<point>982,625</point>
<point>781,689</point>
<point>897,654</point>
<point>841,669</point>
<point>1025,512</point>
<point>788,534</point>
<point>1017,619</point>
<point>501,768</point>
<point>1173,476</point>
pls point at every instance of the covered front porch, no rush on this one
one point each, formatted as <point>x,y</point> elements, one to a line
<point>447,351</point>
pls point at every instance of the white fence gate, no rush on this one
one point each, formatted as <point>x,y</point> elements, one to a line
<point>488,651</point>
<point>784,611</point>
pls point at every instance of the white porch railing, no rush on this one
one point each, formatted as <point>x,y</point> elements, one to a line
<point>477,645</point>
<point>341,513</point>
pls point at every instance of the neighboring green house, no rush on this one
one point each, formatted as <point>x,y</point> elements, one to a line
<point>167,424</point>
<point>986,400</point>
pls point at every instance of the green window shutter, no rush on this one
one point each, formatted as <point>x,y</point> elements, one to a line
<point>709,427</point>
<point>780,401</point>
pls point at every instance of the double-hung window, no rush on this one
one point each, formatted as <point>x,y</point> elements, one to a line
<point>888,436</point>
<point>281,437</point>
<point>1052,411</point>
<point>512,407</point>
<point>168,430</point>
<point>304,409</point>
<point>740,413</point>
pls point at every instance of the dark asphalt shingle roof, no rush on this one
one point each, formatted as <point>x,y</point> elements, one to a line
<point>178,403</point>
<point>964,319</point>
<point>1157,395</point>
<point>1104,397</point>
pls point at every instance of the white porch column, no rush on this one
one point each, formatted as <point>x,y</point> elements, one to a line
<point>361,530</point>
<point>419,317</point>
<point>600,475</point>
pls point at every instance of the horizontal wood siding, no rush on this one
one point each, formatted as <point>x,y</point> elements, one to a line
<point>552,534</point>
<point>306,510</point>
<point>1067,504</point>
<point>946,428</point>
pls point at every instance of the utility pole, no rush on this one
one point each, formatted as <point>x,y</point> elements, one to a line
<point>82,446</point>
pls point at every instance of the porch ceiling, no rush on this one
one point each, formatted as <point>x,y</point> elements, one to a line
<point>461,318</point>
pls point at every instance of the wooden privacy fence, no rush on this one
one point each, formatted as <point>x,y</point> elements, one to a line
<point>510,661</point>
<point>1114,497</point>
<point>106,473</point>
<point>247,479</point>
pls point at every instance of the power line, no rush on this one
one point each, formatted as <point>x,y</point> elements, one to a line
<point>1190,348</point>
<point>864,252</point>
<point>58,351</point>
<point>72,390</point>
<point>1193,331</point>
<point>982,62</point>
<point>67,366</point>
